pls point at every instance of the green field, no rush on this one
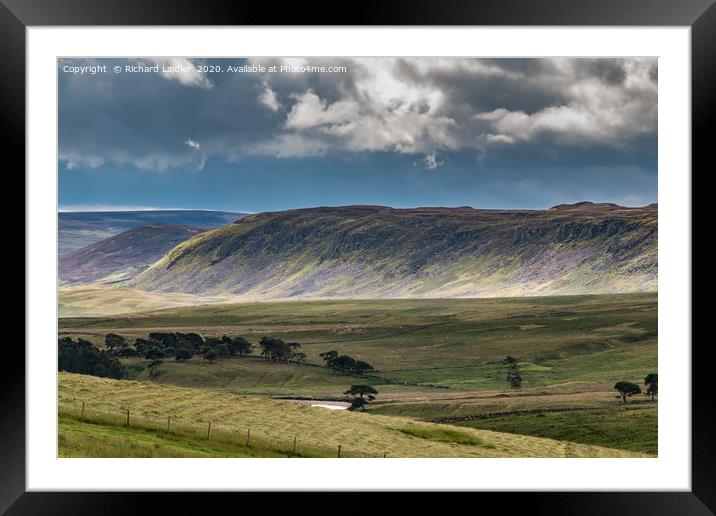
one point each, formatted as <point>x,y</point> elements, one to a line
<point>82,439</point>
<point>455,342</point>
<point>634,429</point>
<point>433,358</point>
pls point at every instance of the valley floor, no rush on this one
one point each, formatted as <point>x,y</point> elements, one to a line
<point>434,359</point>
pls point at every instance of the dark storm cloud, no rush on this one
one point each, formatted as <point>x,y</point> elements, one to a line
<point>471,92</point>
<point>153,123</point>
<point>498,109</point>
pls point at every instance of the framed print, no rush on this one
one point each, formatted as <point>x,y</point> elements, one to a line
<point>378,257</point>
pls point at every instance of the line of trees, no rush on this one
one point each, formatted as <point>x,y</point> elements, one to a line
<point>277,350</point>
<point>81,356</point>
<point>344,363</point>
<point>181,346</point>
<point>629,389</point>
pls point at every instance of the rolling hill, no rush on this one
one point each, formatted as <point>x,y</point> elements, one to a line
<point>376,251</point>
<point>122,256</point>
<point>80,229</point>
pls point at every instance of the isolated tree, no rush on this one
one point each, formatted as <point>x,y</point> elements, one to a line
<point>183,354</point>
<point>652,382</point>
<point>114,343</point>
<point>627,389</point>
<point>509,360</point>
<point>514,376</point>
<point>154,368</point>
<point>362,395</point>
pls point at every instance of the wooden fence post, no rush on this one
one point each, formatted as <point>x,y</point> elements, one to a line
<point>208,431</point>
<point>294,445</point>
<point>83,411</point>
<point>385,455</point>
<point>169,418</point>
<point>127,417</point>
<point>339,451</point>
<point>248,437</point>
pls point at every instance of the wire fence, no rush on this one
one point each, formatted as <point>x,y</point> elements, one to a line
<point>243,439</point>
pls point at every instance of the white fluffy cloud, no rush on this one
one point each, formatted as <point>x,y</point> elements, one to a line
<point>383,112</point>
<point>594,111</point>
<point>182,70</point>
<point>192,143</point>
<point>418,106</point>
<point>431,161</point>
<point>268,98</point>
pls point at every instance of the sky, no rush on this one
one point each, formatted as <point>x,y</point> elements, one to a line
<point>269,134</point>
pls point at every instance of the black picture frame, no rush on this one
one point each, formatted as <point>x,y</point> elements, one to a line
<point>700,15</point>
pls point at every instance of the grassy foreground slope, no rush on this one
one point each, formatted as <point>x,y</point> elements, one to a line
<point>280,420</point>
<point>78,438</point>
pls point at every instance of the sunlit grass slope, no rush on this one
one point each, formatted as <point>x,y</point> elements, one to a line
<point>311,426</point>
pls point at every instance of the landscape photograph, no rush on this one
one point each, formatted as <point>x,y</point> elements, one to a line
<point>357,257</point>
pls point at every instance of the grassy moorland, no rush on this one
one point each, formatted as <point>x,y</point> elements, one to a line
<point>456,343</point>
<point>433,358</point>
<point>269,421</point>
<point>431,339</point>
<point>378,252</point>
<point>633,428</point>
<point>100,300</point>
